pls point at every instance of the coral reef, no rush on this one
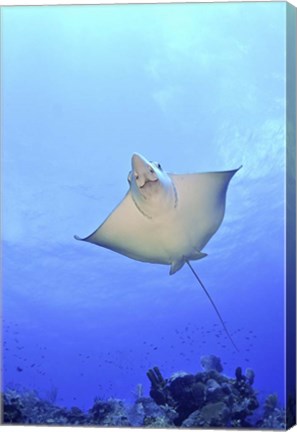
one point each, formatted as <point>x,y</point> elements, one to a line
<point>29,408</point>
<point>110,412</point>
<point>145,412</point>
<point>205,399</point>
<point>273,416</point>
<point>12,408</point>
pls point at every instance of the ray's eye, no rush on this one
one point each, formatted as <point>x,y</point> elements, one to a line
<point>159,166</point>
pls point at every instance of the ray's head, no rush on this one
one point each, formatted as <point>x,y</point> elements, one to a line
<point>143,172</point>
<point>149,183</point>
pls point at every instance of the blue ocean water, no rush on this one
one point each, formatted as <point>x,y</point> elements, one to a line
<point>195,87</point>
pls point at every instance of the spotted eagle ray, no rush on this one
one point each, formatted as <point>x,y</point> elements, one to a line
<point>166,218</point>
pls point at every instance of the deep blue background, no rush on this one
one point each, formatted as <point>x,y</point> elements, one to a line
<point>195,87</point>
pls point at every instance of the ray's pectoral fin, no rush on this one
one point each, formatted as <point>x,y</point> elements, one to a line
<point>178,264</point>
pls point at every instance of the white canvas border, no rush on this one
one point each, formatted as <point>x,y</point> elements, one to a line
<point>107,2</point>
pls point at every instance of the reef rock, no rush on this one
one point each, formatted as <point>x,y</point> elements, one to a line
<point>211,362</point>
<point>214,391</point>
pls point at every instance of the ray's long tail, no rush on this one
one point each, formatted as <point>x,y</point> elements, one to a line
<point>214,306</point>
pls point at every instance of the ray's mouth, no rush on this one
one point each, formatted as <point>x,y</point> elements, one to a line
<point>147,182</point>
